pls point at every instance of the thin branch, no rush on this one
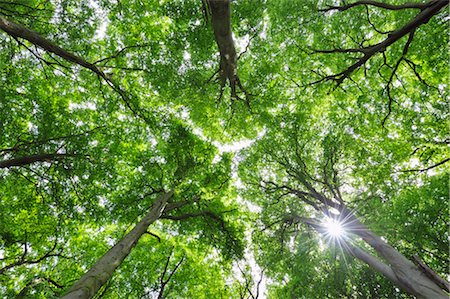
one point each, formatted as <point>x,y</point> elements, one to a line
<point>164,282</point>
<point>154,235</point>
<point>394,71</point>
<point>24,261</point>
<point>383,5</point>
<point>120,52</point>
<point>428,168</point>
<point>20,144</point>
<point>432,8</point>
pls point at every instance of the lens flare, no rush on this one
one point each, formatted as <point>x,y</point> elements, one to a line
<point>334,228</point>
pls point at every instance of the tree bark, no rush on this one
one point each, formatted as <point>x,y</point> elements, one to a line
<point>91,282</point>
<point>399,270</point>
<point>31,159</point>
<point>431,274</point>
<point>432,8</point>
<point>19,31</point>
<point>408,274</point>
<point>373,262</point>
<point>221,23</point>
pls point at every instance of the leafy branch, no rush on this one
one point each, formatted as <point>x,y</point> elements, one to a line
<point>18,31</point>
<point>23,260</point>
<point>378,4</point>
<point>431,9</point>
<point>164,282</point>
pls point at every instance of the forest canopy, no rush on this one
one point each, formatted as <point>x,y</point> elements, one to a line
<point>224,149</point>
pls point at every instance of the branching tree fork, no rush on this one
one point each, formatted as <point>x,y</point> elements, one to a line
<point>220,12</point>
<point>427,10</point>
<point>26,260</point>
<point>164,281</point>
<point>390,262</point>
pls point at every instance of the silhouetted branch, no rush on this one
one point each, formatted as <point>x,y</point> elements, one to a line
<point>120,52</point>
<point>420,6</point>
<point>164,282</point>
<point>431,9</point>
<point>20,144</point>
<point>24,261</point>
<point>428,168</point>
<point>154,235</point>
<point>21,161</point>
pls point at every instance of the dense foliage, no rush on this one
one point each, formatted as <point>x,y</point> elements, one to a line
<point>85,151</point>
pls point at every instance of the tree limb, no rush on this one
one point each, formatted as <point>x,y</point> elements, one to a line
<point>423,17</point>
<point>24,261</point>
<point>411,5</point>
<point>32,159</point>
<point>163,281</point>
<point>19,144</point>
<point>18,31</point>
<point>428,168</point>
<point>221,22</point>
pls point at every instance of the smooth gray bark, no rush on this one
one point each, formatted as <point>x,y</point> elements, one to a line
<point>91,282</point>
<point>408,274</point>
<point>397,268</point>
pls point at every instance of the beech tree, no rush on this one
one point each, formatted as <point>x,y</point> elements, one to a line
<point>288,181</point>
<point>224,149</point>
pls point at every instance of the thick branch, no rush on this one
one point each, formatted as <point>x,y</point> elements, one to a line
<point>398,269</point>
<point>423,17</point>
<point>221,23</point>
<point>32,159</point>
<point>18,31</point>
<point>373,262</point>
<point>407,273</point>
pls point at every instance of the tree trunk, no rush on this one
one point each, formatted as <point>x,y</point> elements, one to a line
<point>221,23</point>
<point>398,269</point>
<point>408,274</point>
<point>90,283</point>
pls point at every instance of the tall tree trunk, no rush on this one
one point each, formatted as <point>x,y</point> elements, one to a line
<point>221,22</point>
<point>396,267</point>
<point>408,274</point>
<point>90,283</point>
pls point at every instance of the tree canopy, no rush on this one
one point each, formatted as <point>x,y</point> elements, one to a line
<point>224,149</point>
